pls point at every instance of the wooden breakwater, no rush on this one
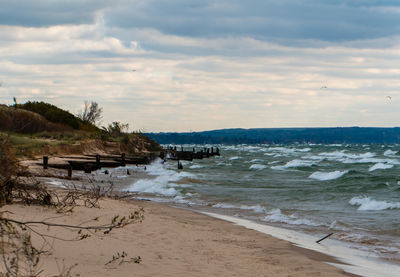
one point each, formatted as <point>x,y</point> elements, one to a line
<point>89,163</point>
<point>174,153</point>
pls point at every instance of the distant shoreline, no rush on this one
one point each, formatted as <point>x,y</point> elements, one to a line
<point>328,135</point>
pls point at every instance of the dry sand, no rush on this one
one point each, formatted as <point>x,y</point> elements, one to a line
<point>170,242</point>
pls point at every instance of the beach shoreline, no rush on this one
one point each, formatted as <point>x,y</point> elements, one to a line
<point>226,240</point>
<point>170,242</point>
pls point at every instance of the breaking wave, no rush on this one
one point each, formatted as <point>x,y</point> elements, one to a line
<point>325,176</point>
<point>294,164</point>
<point>369,204</point>
<point>380,166</point>
<point>258,166</point>
<point>163,183</point>
<point>276,215</point>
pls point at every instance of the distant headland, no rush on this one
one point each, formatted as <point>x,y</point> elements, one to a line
<point>283,136</point>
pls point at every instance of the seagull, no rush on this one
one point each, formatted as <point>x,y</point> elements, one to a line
<point>134,70</point>
<point>324,87</point>
<point>389,97</point>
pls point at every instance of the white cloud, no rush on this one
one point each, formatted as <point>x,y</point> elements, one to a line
<point>164,81</point>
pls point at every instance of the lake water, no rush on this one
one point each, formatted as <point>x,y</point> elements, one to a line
<point>350,190</point>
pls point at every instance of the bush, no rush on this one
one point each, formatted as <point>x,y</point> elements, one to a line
<point>8,169</point>
<point>26,122</point>
<point>56,115</point>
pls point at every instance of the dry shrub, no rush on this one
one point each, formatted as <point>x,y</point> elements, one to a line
<point>8,169</point>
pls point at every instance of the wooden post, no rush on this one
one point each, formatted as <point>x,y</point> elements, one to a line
<point>45,162</point>
<point>180,166</point>
<point>98,159</point>
<point>69,171</point>
<point>212,150</point>
<point>123,159</point>
<point>194,150</point>
<point>182,148</point>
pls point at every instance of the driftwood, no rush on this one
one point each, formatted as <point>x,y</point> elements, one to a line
<point>327,236</point>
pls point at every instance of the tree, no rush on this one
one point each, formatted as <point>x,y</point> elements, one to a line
<point>91,113</point>
<point>116,128</point>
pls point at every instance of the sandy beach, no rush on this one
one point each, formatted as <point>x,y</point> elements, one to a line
<point>168,242</point>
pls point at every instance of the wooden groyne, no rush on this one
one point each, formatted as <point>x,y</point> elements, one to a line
<point>174,153</point>
<point>89,163</point>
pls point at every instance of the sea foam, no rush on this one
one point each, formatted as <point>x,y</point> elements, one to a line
<point>294,164</point>
<point>389,152</point>
<point>368,204</point>
<point>380,166</point>
<point>258,166</point>
<point>325,176</point>
<point>276,215</point>
<point>163,184</point>
<point>196,166</point>
<point>254,208</point>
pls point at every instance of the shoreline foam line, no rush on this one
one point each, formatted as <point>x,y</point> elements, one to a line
<point>353,261</point>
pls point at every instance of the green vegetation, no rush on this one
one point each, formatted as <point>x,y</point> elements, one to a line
<point>37,128</point>
<point>57,115</point>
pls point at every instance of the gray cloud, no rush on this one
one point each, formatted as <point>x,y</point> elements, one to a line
<point>334,21</point>
<point>40,13</point>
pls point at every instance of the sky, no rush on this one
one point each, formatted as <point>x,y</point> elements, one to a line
<point>192,65</point>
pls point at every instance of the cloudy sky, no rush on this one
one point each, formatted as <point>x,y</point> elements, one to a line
<point>182,65</point>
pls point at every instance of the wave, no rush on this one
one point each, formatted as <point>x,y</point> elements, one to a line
<point>258,166</point>
<point>325,176</point>
<point>341,154</point>
<point>287,151</point>
<point>163,183</point>
<point>390,152</point>
<point>234,158</point>
<point>380,166</point>
<point>348,158</point>
<point>196,166</point>
<point>276,215</point>
<point>254,208</point>
<point>294,164</point>
<point>368,204</point>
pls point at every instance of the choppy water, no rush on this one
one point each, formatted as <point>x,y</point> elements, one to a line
<point>351,190</point>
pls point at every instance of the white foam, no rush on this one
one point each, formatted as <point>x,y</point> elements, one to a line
<point>196,166</point>
<point>287,151</point>
<point>337,155</point>
<point>325,176</point>
<point>368,204</point>
<point>258,166</point>
<point>390,152</point>
<point>163,184</point>
<point>234,158</point>
<point>380,166</point>
<point>295,163</point>
<point>255,208</point>
<point>277,216</point>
